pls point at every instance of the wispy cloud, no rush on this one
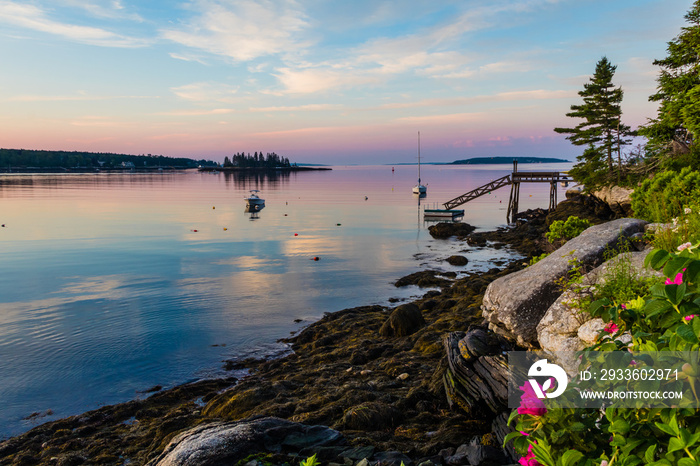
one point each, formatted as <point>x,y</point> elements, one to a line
<point>80,96</point>
<point>304,108</point>
<point>441,51</point>
<point>206,92</point>
<point>34,18</point>
<point>242,30</point>
<point>311,80</point>
<point>107,9</point>
<point>536,94</point>
<point>215,111</point>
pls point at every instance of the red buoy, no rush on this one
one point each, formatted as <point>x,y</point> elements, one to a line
<point>315,258</point>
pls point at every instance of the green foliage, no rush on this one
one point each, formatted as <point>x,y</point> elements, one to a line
<point>678,88</point>
<point>664,196</point>
<point>536,259</point>
<point>310,461</point>
<point>566,230</point>
<point>682,229</point>
<point>601,129</point>
<point>666,319</point>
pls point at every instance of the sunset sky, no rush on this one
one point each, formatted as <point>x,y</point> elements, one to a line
<point>323,82</point>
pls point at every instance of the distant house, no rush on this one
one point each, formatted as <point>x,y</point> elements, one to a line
<point>128,165</point>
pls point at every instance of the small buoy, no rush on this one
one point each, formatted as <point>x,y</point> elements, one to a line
<point>337,224</point>
<point>213,207</point>
<point>225,228</point>
<point>366,198</point>
<point>195,231</point>
<point>315,258</point>
<point>296,234</point>
<point>3,225</point>
<point>530,195</point>
<point>285,215</point>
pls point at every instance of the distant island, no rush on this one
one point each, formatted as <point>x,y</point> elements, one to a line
<point>507,160</point>
<point>29,160</point>
<point>50,161</point>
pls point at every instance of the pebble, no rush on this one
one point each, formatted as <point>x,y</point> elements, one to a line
<point>403,376</point>
<point>349,369</point>
<point>365,372</point>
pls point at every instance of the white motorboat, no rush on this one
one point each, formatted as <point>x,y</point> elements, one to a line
<point>254,202</point>
<point>419,188</point>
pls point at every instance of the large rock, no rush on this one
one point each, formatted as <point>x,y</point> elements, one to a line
<point>618,198</point>
<point>514,305</point>
<point>403,321</point>
<point>227,443</point>
<point>475,380</point>
<point>446,229</point>
<point>565,328</point>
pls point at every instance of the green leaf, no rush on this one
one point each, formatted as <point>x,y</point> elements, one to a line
<point>675,266</point>
<point>675,444</point>
<point>687,462</point>
<point>696,326</point>
<point>596,306</point>
<point>656,259</point>
<point>620,426</point>
<point>656,306</point>
<point>666,429</point>
<point>618,441</point>
<point>570,458</point>
<point>578,427</point>
<point>675,293</point>
<point>512,416</point>
<point>693,271</point>
<point>510,436</point>
<point>649,454</point>
<point>686,333</point>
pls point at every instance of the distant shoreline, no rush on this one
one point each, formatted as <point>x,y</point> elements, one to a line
<point>507,160</point>
<point>53,170</point>
<point>261,169</point>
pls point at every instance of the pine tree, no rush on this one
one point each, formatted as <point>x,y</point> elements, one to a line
<point>678,88</point>
<point>601,130</point>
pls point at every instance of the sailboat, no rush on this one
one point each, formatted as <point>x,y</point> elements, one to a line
<point>419,188</point>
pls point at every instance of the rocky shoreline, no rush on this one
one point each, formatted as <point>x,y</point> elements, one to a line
<point>374,376</point>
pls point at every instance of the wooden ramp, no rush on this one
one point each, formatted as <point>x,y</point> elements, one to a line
<point>514,180</point>
<point>478,192</point>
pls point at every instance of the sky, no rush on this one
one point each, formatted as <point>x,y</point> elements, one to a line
<point>320,81</point>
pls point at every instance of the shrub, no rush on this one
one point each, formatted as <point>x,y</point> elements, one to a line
<point>668,319</point>
<point>566,230</point>
<point>662,198</point>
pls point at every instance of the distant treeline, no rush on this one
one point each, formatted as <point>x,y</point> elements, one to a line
<point>23,158</point>
<point>504,160</point>
<point>257,160</point>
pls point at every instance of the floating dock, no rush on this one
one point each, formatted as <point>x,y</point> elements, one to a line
<point>443,213</point>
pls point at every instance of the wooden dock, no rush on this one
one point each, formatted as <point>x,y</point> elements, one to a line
<point>514,180</point>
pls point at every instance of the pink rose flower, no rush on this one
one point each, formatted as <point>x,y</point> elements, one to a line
<point>611,328</point>
<point>689,318</point>
<point>676,281</point>
<point>529,403</point>
<point>529,459</point>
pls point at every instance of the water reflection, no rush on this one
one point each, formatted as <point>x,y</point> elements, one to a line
<point>262,180</point>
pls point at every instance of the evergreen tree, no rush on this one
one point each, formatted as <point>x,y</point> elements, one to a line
<point>601,130</point>
<point>678,88</point>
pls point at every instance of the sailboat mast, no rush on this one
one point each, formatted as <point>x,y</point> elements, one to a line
<point>418,157</point>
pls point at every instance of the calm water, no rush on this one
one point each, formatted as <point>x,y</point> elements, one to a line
<point>106,289</point>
